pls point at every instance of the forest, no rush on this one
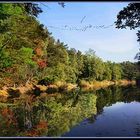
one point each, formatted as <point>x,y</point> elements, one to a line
<point>47,87</point>
<point>30,53</point>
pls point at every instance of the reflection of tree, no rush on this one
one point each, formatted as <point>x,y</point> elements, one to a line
<point>56,115</point>
<point>8,125</point>
<point>66,116</point>
<point>113,94</point>
<point>32,113</point>
<point>29,116</point>
<point>92,119</point>
<point>131,94</point>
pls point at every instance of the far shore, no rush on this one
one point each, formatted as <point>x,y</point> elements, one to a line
<point>61,87</point>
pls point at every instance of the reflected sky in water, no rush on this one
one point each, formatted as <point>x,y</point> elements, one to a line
<point>119,120</point>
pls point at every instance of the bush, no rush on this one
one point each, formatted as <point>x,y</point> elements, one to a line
<point>46,81</point>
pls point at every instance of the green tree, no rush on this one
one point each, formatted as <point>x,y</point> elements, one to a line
<point>93,66</point>
<point>116,71</point>
<point>107,75</point>
<point>129,17</point>
<point>130,70</point>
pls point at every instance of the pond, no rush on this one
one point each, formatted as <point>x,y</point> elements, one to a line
<point>109,112</point>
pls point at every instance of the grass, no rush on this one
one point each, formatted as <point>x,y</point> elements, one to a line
<point>103,84</point>
<point>125,82</point>
<point>3,93</point>
<point>62,87</point>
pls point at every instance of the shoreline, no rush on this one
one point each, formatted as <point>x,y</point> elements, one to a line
<point>106,83</point>
<point>60,87</point>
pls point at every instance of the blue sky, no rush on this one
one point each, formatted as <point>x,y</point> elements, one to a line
<point>110,44</point>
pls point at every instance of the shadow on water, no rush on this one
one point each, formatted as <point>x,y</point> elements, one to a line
<point>57,115</point>
<point>113,94</point>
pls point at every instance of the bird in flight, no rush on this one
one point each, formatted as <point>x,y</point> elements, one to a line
<point>83,19</point>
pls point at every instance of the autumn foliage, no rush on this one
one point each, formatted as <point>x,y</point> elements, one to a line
<point>42,64</point>
<point>9,117</point>
<point>38,130</point>
<point>39,51</point>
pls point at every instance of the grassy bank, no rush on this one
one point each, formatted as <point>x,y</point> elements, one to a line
<point>104,84</point>
<point>59,87</point>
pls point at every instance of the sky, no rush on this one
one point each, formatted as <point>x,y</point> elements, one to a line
<point>110,44</point>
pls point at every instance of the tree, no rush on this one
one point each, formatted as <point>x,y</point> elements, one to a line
<point>93,66</point>
<point>80,63</point>
<point>56,53</point>
<point>129,70</point>
<point>129,17</point>
<point>116,71</point>
<point>18,42</point>
<point>107,75</point>
<point>74,72</point>
<point>31,8</point>
<point>138,56</point>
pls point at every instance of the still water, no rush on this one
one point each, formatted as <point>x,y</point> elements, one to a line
<point>110,112</point>
<point>119,120</point>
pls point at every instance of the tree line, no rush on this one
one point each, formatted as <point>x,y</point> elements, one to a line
<point>29,52</point>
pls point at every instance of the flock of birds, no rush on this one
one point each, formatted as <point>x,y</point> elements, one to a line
<point>70,28</point>
<point>84,28</point>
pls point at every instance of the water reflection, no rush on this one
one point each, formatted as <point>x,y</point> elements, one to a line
<point>118,115</point>
<point>70,114</point>
<point>113,94</point>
